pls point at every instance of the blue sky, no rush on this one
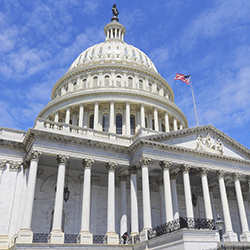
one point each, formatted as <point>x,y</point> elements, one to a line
<point>208,39</point>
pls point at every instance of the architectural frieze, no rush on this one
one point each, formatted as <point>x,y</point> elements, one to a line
<point>209,128</point>
<point>149,143</point>
<point>11,144</point>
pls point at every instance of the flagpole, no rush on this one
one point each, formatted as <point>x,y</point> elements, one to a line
<point>190,80</point>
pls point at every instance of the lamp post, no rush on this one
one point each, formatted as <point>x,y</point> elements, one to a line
<point>220,224</point>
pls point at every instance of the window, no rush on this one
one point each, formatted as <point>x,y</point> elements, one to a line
<point>153,124</point>
<point>74,86</point>
<point>93,52</point>
<point>119,124</point>
<point>105,123</point>
<point>66,87</point>
<point>100,51</point>
<point>91,121</point>
<point>106,81</point>
<point>95,81</point>
<point>163,127</point>
<point>132,124</point>
<point>150,87</point>
<point>118,81</point>
<point>146,122</point>
<point>130,82</point>
<point>140,84</point>
<point>84,83</point>
<point>126,52</point>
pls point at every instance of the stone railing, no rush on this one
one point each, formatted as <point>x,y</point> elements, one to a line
<point>177,224</point>
<point>98,239</point>
<point>70,129</point>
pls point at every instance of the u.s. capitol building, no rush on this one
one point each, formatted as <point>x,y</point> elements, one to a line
<point>111,164</point>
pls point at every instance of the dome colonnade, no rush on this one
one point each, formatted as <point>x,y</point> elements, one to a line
<point>114,87</point>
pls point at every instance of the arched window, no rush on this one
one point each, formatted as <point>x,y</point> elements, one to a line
<point>105,123</point>
<point>118,81</point>
<point>140,84</point>
<point>132,124</point>
<point>91,121</point>
<point>119,124</point>
<point>150,87</point>
<point>130,82</point>
<point>106,81</point>
<point>84,83</point>
<point>153,124</point>
<point>70,121</point>
<point>74,86</point>
<point>163,127</point>
<point>95,81</point>
<point>146,122</point>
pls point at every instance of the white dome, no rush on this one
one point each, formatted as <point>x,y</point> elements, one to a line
<point>113,50</point>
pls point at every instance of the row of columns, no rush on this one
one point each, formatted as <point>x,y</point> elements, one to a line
<point>25,234</point>
<point>141,118</point>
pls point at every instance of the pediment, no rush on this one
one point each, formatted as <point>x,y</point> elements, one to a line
<point>204,139</point>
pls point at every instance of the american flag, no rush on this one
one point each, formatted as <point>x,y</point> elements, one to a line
<point>182,77</point>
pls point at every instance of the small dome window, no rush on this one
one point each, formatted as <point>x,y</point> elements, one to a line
<point>150,87</point>
<point>86,55</point>
<point>100,51</point>
<point>125,51</point>
<point>140,56</point>
<point>106,81</point>
<point>93,52</point>
<point>133,52</point>
<point>140,84</point>
<point>95,81</point>
<point>84,83</point>
<point>130,82</point>
<point>118,81</point>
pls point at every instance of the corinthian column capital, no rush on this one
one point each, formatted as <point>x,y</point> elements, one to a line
<point>15,166</point>
<point>144,161</point>
<point>185,168</point>
<point>236,176</point>
<point>203,171</point>
<point>87,163</point>
<point>133,169</point>
<point>111,166</point>
<point>165,165</point>
<point>62,159</point>
<point>220,174</point>
<point>2,164</point>
<point>35,156</point>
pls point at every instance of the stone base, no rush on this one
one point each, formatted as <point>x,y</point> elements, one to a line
<point>245,237</point>
<point>144,235</point>
<point>230,237</point>
<point>4,241</point>
<point>85,237</point>
<point>56,237</point>
<point>112,238</point>
<point>24,236</point>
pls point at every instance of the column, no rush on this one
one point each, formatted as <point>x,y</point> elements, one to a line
<point>144,162</point>
<point>134,201</point>
<point>166,122</point>
<point>67,117</point>
<point>96,116</point>
<point>229,234</point>
<point>112,117</point>
<point>123,221</point>
<point>142,115</point>
<point>112,237</point>
<point>85,236</point>
<point>175,124</point>
<point>156,119</point>
<point>127,118</point>
<point>167,190</point>
<point>56,235</point>
<point>81,114</point>
<point>2,166</point>
<point>206,195</point>
<point>25,235</point>
<point>162,200</point>
<point>56,116</point>
<point>173,176</point>
<point>245,235</point>
<point>188,198</point>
